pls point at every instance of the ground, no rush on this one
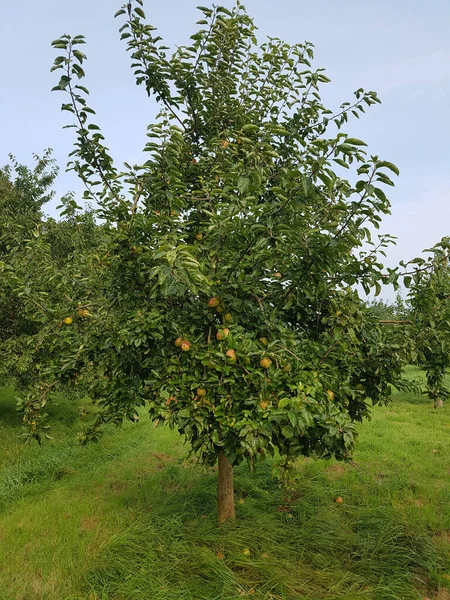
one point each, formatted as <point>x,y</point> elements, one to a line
<point>134,518</point>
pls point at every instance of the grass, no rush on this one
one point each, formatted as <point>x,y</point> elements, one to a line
<point>131,518</point>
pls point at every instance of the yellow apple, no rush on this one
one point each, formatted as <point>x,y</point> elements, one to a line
<point>222,334</point>
<point>265,362</point>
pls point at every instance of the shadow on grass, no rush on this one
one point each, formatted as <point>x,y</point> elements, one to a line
<point>8,408</point>
<point>61,409</point>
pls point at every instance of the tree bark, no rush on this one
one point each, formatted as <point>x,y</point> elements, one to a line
<point>225,491</point>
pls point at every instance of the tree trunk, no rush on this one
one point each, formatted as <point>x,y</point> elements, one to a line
<point>225,491</point>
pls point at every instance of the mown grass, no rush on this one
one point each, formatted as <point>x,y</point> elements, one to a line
<point>133,518</point>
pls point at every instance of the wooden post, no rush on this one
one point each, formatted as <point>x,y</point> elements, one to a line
<point>225,490</point>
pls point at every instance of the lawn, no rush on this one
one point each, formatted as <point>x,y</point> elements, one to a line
<point>134,518</point>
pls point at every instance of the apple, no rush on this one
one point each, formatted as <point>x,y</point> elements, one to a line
<point>199,236</point>
<point>185,345</point>
<point>330,395</point>
<point>264,341</point>
<point>246,552</point>
<point>277,274</point>
<point>231,354</point>
<point>228,317</point>
<point>68,320</point>
<point>222,334</point>
<point>213,302</point>
<point>178,342</point>
<point>201,392</point>
<point>264,405</point>
<point>265,362</point>
<point>339,500</point>
<point>287,368</point>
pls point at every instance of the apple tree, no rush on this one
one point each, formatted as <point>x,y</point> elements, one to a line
<point>41,270</point>
<point>231,255</point>
<point>429,300</point>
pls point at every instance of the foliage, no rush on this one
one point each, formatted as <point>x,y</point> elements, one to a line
<point>231,254</point>
<point>383,310</point>
<point>429,299</point>
<point>23,192</point>
<point>41,260</point>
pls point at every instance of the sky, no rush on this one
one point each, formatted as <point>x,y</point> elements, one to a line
<point>399,48</point>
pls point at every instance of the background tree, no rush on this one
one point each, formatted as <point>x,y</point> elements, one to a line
<point>42,265</point>
<point>429,299</point>
<point>23,192</point>
<point>397,311</point>
<point>225,298</point>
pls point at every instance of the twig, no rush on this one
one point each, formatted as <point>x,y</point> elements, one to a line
<point>396,322</point>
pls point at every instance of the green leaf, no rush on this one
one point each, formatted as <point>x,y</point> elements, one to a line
<point>139,12</point>
<point>288,432</point>
<point>341,162</point>
<point>63,82</point>
<point>380,194</point>
<point>250,127</point>
<point>82,88</point>
<point>79,55</point>
<point>243,184</point>
<point>222,9</point>
<point>355,142</point>
<point>388,165</point>
<point>384,179</point>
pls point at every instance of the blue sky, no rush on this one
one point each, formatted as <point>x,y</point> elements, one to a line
<point>400,49</point>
